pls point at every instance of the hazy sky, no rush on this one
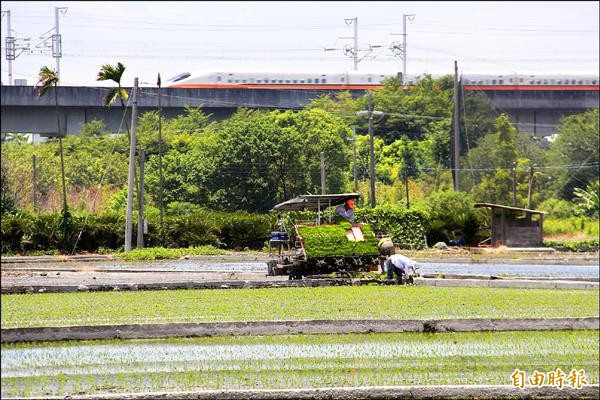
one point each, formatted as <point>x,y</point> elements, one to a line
<point>173,37</point>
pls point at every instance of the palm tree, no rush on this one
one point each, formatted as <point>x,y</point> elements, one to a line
<point>47,79</point>
<point>109,73</point>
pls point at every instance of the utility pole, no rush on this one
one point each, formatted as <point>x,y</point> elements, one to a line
<point>160,171</point>
<point>529,190</point>
<point>514,184</point>
<point>355,49</point>
<point>56,38</point>
<point>456,131</point>
<point>140,227</point>
<point>10,47</point>
<point>369,114</point>
<point>371,152</point>
<point>322,155</point>
<point>404,17</point>
<point>131,177</point>
<point>355,43</point>
<point>34,183</point>
<point>406,186</point>
<point>354,158</point>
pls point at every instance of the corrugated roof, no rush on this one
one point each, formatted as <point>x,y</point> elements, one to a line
<point>490,205</point>
<point>312,202</point>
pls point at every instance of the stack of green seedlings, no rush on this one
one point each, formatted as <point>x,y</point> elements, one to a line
<point>328,249</point>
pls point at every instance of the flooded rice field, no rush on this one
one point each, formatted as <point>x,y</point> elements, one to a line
<point>516,270</point>
<point>300,361</point>
<point>499,269</point>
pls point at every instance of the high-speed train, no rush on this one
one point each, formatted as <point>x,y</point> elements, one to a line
<point>371,80</point>
<point>279,80</point>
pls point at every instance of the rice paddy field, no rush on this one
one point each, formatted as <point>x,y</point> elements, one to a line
<point>291,361</point>
<point>297,361</point>
<point>290,304</point>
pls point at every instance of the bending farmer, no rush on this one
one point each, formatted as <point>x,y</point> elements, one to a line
<point>401,266</point>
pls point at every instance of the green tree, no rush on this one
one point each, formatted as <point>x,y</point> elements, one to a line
<point>114,73</point>
<point>256,159</point>
<point>478,120</point>
<point>48,79</point>
<point>587,201</point>
<point>495,157</point>
<point>575,150</point>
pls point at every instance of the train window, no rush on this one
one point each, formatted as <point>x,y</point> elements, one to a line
<point>531,82</point>
<point>410,82</point>
<point>493,81</point>
<point>287,81</point>
<point>539,82</point>
<point>593,82</point>
<point>500,82</point>
<point>545,81</point>
<point>229,81</point>
<point>281,81</point>
<point>301,80</point>
<point>552,81</point>
<point>580,82</point>
<point>243,81</point>
<point>521,80</point>
<point>559,82</point>
<point>309,80</point>
<point>295,81</point>
<point>369,79</point>
<point>251,80</point>
<point>273,81</point>
<point>237,81</point>
<point>218,79</point>
<point>323,80</point>
<point>258,81</point>
<point>342,79</point>
<point>573,82</point>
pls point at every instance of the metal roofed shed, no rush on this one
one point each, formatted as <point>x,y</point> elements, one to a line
<point>515,227</point>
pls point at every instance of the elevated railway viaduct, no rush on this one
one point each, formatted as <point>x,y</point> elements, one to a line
<point>22,111</point>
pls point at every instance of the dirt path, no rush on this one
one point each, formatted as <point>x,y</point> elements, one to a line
<point>359,393</point>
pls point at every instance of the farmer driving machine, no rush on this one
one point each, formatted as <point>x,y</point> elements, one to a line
<point>329,243</point>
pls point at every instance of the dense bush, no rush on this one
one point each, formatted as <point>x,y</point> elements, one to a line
<point>407,228</point>
<point>573,225</point>
<point>557,208</point>
<point>240,229</point>
<point>159,253</point>
<point>43,232</point>
<point>14,228</point>
<point>575,245</point>
<point>452,215</point>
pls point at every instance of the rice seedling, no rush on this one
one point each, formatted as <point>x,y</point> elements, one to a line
<point>276,304</point>
<point>297,361</point>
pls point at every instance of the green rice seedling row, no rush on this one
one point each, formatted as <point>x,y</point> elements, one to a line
<point>276,304</point>
<point>296,361</point>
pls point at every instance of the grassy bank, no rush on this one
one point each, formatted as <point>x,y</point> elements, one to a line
<point>301,361</point>
<point>351,302</point>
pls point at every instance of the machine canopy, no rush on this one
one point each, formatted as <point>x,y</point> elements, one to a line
<point>315,202</point>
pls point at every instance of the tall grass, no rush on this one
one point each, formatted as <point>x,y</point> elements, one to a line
<point>577,227</point>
